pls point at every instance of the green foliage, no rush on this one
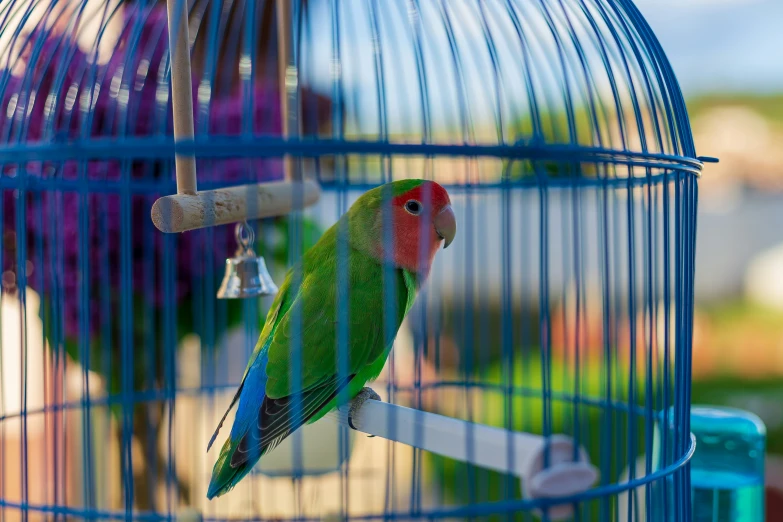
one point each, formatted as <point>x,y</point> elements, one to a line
<point>277,253</point>
<point>770,106</point>
<point>752,332</point>
<point>761,396</point>
<point>738,312</point>
<point>477,332</point>
<point>556,128</point>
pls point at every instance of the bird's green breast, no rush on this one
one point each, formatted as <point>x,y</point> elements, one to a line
<point>406,294</point>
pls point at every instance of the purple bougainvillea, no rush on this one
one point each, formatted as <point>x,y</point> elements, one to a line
<point>64,96</point>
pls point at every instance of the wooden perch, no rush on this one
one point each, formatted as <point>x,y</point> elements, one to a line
<point>182,212</point>
<point>190,209</point>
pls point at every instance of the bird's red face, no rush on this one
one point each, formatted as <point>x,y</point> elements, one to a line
<point>422,219</point>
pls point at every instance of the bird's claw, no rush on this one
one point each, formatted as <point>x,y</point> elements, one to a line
<point>362,397</point>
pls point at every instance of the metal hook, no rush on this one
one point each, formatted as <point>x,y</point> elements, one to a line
<point>245,237</point>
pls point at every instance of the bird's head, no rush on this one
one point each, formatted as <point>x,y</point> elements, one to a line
<point>418,215</point>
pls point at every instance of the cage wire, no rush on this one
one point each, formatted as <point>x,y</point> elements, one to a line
<point>564,305</point>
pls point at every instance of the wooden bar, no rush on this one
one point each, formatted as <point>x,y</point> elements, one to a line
<point>182,212</point>
<point>288,79</point>
<point>181,92</point>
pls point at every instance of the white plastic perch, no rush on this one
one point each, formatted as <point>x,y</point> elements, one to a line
<point>517,453</point>
<point>190,209</point>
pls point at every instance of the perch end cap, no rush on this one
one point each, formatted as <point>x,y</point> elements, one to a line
<point>563,477</point>
<point>563,480</point>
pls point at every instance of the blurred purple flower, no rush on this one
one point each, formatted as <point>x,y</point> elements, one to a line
<point>54,102</point>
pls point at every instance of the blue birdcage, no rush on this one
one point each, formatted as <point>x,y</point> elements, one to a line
<point>544,371</point>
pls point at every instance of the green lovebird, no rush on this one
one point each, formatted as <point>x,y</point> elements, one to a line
<point>418,217</point>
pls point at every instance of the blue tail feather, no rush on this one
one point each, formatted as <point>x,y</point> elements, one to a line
<point>251,396</point>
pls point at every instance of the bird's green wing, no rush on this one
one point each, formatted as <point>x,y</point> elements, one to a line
<point>313,320</point>
<point>311,325</point>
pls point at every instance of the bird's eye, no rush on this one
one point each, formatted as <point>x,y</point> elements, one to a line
<point>413,207</point>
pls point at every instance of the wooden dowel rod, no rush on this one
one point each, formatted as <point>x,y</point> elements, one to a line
<point>182,212</point>
<point>181,92</point>
<point>288,79</point>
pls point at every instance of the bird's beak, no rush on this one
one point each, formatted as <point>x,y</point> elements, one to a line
<point>446,225</point>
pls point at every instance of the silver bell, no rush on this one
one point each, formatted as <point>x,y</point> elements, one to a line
<point>246,274</point>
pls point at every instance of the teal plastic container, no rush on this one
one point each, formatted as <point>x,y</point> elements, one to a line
<point>727,469</point>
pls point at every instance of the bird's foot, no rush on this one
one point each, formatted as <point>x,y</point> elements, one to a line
<point>358,401</point>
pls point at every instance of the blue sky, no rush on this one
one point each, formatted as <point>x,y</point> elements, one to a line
<point>721,44</point>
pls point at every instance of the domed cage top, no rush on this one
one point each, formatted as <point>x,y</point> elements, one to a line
<point>562,311</point>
